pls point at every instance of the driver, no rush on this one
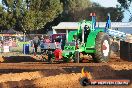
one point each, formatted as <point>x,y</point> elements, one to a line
<point>86,32</point>
<point>86,29</point>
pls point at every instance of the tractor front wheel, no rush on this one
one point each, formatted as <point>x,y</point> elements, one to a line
<point>102,47</point>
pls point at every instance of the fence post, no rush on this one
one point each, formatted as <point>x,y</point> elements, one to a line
<point>24,44</point>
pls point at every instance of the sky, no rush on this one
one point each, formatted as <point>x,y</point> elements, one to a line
<point>106,3</point>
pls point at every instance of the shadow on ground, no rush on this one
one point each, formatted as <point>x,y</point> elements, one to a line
<point>17,59</point>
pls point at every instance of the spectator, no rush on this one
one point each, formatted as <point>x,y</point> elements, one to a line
<point>47,39</point>
<point>10,42</point>
<point>1,44</point>
<point>36,43</point>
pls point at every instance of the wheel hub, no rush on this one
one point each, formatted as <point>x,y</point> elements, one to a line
<point>105,48</point>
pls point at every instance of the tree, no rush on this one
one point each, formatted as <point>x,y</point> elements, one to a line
<point>101,14</point>
<point>94,4</point>
<point>124,5</point>
<point>6,19</point>
<point>77,10</point>
<point>71,7</point>
<point>33,14</point>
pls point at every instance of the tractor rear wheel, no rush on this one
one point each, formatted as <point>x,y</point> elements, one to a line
<point>102,47</point>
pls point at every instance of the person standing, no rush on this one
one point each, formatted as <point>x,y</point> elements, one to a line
<point>10,42</point>
<point>1,45</point>
<point>36,43</point>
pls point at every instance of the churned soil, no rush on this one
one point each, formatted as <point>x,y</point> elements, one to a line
<point>66,75</point>
<point>27,72</point>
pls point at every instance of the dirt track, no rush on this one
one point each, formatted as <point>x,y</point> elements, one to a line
<point>26,72</point>
<point>40,75</point>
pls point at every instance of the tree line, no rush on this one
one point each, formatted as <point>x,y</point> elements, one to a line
<point>39,15</point>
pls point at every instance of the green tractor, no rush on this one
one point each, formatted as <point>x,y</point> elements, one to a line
<point>88,40</point>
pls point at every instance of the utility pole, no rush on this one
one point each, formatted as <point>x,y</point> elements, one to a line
<point>24,39</point>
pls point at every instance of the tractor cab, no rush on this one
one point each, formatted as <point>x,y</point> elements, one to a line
<point>77,39</point>
<point>84,30</point>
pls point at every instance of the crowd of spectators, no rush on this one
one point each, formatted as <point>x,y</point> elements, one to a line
<point>34,42</point>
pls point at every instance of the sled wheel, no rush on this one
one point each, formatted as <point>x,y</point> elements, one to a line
<point>102,47</point>
<point>115,46</point>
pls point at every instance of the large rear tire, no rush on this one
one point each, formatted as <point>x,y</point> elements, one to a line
<point>102,47</point>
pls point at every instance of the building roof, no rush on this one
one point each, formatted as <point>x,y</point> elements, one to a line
<point>66,25</point>
<point>74,25</point>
